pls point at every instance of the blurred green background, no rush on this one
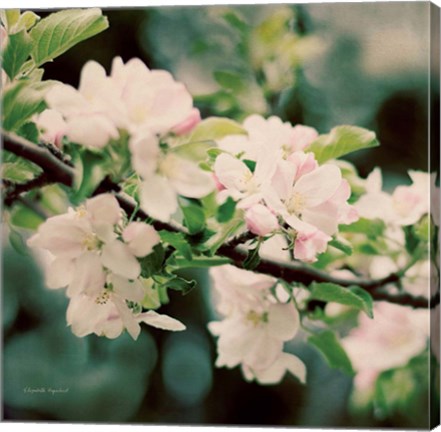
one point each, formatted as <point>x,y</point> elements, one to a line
<point>319,64</point>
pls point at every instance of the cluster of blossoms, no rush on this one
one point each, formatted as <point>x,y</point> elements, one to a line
<point>148,105</point>
<point>258,317</point>
<point>397,333</point>
<point>95,254</point>
<point>280,185</point>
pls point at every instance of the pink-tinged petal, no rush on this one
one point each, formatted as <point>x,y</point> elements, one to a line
<point>127,317</point>
<point>302,136</point>
<point>308,245</point>
<point>89,276</point>
<point>231,172</point>
<point>260,220</point>
<point>118,258</point>
<point>93,130</point>
<point>218,185</point>
<point>284,363</point>
<point>158,198</point>
<point>104,209</point>
<point>66,100</point>
<point>133,291</point>
<point>304,162</point>
<point>140,238</point>
<point>283,179</point>
<point>319,185</point>
<point>145,153</point>
<point>189,123</point>
<point>60,273</point>
<point>187,178</point>
<point>163,322</point>
<point>283,321</point>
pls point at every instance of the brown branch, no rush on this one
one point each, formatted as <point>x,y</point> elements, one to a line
<point>294,272</point>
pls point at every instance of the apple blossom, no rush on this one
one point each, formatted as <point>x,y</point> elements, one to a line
<point>395,335</point>
<point>96,257</point>
<point>165,176</point>
<point>405,206</point>
<point>275,136</point>
<point>255,326</point>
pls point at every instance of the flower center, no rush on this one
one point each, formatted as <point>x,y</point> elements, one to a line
<point>91,242</point>
<point>81,212</point>
<point>296,203</point>
<point>256,318</point>
<point>103,298</point>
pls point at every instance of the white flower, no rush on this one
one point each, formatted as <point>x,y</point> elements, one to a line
<point>273,135</point>
<point>255,326</point>
<point>106,313</point>
<point>255,338</point>
<point>96,257</point>
<point>396,334</point>
<point>405,206</point>
<point>165,176</point>
<point>91,112</point>
<point>312,200</point>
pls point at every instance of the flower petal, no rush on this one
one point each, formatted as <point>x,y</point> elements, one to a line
<point>319,185</point>
<point>160,321</point>
<point>158,198</point>
<point>116,256</point>
<point>140,238</point>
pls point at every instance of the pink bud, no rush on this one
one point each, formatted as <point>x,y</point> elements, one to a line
<point>189,123</point>
<point>260,220</point>
<point>308,245</point>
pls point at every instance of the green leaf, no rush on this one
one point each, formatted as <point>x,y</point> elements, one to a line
<point>29,131</point>
<point>24,217</point>
<point>18,170</point>
<point>216,128</point>
<point>423,228</point>
<point>27,20</point>
<point>89,177</point>
<point>411,239</point>
<point>180,284</point>
<point>195,151</point>
<point>226,231</point>
<point>178,241</point>
<point>229,80</point>
<point>60,31</point>
<point>250,164</point>
<point>17,242</point>
<point>152,263</point>
<point>9,17</point>
<point>372,228</point>
<point>352,296</point>
<point>17,51</point>
<point>21,101</point>
<point>226,210</point>
<point>341,141</point>
<point>342,245</point>
<point>236,21</point>
<point>199,262</point>
<point>194,217</point>
<point>252,260</point>
<point>328,344</point>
